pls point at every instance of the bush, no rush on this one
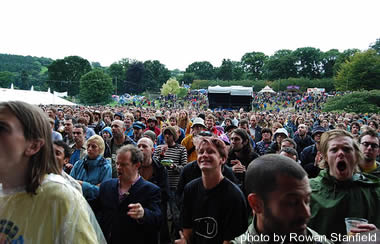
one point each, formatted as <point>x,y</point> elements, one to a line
<point>356,102</point>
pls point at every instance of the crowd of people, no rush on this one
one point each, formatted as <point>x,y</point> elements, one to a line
<point>80,174</point>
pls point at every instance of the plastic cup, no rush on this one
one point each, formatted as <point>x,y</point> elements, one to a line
<point>353,222</point>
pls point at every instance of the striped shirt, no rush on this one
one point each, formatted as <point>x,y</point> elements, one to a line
<point>178,154</point>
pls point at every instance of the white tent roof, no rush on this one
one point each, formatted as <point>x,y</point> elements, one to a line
<point>267,89</point>
<point>234,90</point>
<point>32,97</point>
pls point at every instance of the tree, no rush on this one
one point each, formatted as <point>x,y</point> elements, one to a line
<point>328,62</point>
<point>342,58</point>
<point>64,74</point>
<point>361,72</point>
<point>118,74</point>
<point>281,65</point>
<point>134,80</point>
<point>376,46</point>
<point>225,71</point>
<point>308,62</point>
<point>170,87</point>
<point>253,64</point>
<point>356,102</point>
<point>202,70</point>
<point>6,79</point>
<point>156,74</point>
<point>96,87</point>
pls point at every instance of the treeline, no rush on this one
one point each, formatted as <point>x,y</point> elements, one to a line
<point>23,71</point>
<point>306,67</point>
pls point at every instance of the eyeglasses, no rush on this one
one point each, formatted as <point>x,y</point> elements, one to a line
<point>373,145</point>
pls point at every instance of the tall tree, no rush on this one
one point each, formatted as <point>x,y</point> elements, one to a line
<point>361,72</point>
<point>225,71</point>
<point>281,65</point>
<point>96,87</point>
<point>376,46</point>
<point>64,74</point>
<point>118,74</point>
<point>328,61</point>
<point>6,79</point>
<point>156,74</point>
<point>202,70</point>
<point>253,63</point>
<point>170,87</point>
<point>344,57</point>
<point>308,62</point>
<point>134,79</point>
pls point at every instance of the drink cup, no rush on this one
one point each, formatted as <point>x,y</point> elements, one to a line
<point>353,222</point>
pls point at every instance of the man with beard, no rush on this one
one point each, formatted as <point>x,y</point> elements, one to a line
<point>152,125</point>
<point>302,138</point>
<point>279,194</point>
<point>240,154</point>
<point>255,129</point>
<point>369,145</point>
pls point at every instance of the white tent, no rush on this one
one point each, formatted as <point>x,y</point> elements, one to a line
<point>267,89</point>
<point>32,97</point>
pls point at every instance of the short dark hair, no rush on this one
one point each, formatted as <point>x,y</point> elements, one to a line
<point>266,130</point>
<point>81,126</point>
<point>368,132</point>
<point>291,141</point>
<point>290,150</point>
<point>66,148</point>
<point>262,172</point>
<point>243,122</point>
<point>69,117</point>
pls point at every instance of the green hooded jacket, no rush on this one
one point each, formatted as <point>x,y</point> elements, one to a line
<point>332,201</point>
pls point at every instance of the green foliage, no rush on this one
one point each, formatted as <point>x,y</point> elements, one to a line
<point>156,74</point>
<point>376,46</point>
<point>202,70</point>
<point>253,64</point>
<point>281,65</point>
<point>6,78</point>
<point>182,92</point>
<point>356,102</point>
<point>170,87</point>
<point>343,57</point>
<point>361,72</point>
<point>64,74</point>
<point>96,87</point>
<point>308,62</point>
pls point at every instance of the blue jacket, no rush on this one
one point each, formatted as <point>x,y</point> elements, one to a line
<point>92,173</point>
<point>117,226</point>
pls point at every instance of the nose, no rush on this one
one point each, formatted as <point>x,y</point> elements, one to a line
<point>305,210</point>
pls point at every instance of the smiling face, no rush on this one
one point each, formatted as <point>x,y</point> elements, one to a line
<point>341,157</point>
<point>209,158</point>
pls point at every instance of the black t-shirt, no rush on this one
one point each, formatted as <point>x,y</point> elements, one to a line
<point>214,215</point>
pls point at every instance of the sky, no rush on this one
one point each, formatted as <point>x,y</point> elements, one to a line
<point>179,32</point>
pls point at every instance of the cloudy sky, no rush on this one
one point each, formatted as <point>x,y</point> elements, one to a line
<point>178,32</point>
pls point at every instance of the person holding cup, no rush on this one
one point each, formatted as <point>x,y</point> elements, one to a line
<point>340,190</point>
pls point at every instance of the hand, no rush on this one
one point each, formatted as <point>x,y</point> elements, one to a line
<point>360,228</point>
<point>238,168</point>
<point>182,240</point>
<point>136,211</point>
<point>163,150</point>
<point>80,182</point>
<point>69,166</point>
<point>235,161</point>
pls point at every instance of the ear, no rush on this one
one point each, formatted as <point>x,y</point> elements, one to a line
<point>256,203</point>
<point>34,147</point>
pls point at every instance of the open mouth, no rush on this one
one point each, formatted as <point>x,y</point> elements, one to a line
<point>341,166</point>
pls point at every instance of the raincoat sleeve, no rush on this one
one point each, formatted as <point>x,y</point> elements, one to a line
<point>57,213</point>
<point>92,191</point>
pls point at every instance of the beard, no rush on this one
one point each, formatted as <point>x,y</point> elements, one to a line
<point>275,225</point>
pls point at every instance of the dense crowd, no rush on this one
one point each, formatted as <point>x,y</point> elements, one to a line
<point>186,175</point>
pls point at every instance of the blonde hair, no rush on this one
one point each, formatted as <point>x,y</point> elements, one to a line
<point>98,140</point>
<point>332,134</point>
